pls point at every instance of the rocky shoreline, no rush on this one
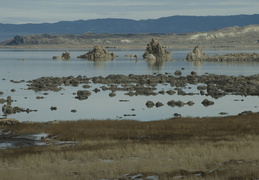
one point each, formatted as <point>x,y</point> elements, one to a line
<point>198,55</point>
<point>208,85</point>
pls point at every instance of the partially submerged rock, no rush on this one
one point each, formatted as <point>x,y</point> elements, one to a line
<point>213,85</point>
<point>131,56</point>
<point>8,100</point>
<point>175,103</point>
<point>83,94</point>
<point>251,57</point>
<point>2,100</point>
<point>112,94</point>
<point>159,104</point>
<point>55,83</point>
<point>207,102</point>
<point>8,109</point>
<point>64,56</point>
<point>196,54</point>
<point>150,104</point>
<point>156,51</point>
<point>98,53</point>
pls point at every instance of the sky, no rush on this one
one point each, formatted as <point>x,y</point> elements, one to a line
<point>49,11</point>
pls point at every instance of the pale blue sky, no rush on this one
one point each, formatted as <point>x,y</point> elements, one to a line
<point>40,11</point>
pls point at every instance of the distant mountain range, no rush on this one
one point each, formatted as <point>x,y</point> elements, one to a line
<point>172,24</point>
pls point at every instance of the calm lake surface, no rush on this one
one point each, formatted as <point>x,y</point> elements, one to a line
<point>24,64</point>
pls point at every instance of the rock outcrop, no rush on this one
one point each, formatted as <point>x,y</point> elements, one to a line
<point>17,40</point>
<point>196,54</point>
<point>212,85</point>
<point>175,103</point>
<point>156,51</point>
<point>207,102</point>
<point>64,56</point>
<point>8,109</point>
<point>98,53</point>
<point>226,33</point>
<point>240,57</point>
<point>150,104</point>
<point>83,94</point>
<point>55,83</point>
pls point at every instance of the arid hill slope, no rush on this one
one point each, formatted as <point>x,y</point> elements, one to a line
<point>247,36</point>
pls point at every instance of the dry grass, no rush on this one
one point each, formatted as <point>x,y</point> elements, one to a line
<point>217,148</point>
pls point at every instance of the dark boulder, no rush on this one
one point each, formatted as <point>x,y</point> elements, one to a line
<point>178,73</point>
<point>112,94</point>
<point>2,100</point>
<point>83,94</point>
<point>175,103</point>
<point>170,92</point>
<point>207,102</point>
<point>159,104</point>
<point>53,108</point>
<point>7,109</point>
<point>150,104</point>
<point>190,103</point>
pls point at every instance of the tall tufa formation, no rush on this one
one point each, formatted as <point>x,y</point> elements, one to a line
<point>155,51</point>
<point>98,53</point>
<point>64,56</point>
<point>196,54</point>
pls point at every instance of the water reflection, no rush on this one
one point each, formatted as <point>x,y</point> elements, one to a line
<point>197,63</point>
<point>99,64</point>
<point>155,64</point>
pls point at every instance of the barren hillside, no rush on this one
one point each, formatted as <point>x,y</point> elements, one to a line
<point>247,36</point>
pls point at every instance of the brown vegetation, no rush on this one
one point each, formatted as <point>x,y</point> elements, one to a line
<point>191,148</point>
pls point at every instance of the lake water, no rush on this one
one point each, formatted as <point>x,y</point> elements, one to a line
<point>24,64</point>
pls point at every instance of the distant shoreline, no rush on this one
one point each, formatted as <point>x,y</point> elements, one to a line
<point>240,38</point>
<point>174,46</point>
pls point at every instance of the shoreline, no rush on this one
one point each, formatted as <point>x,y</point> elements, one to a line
<point>176,46</point>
